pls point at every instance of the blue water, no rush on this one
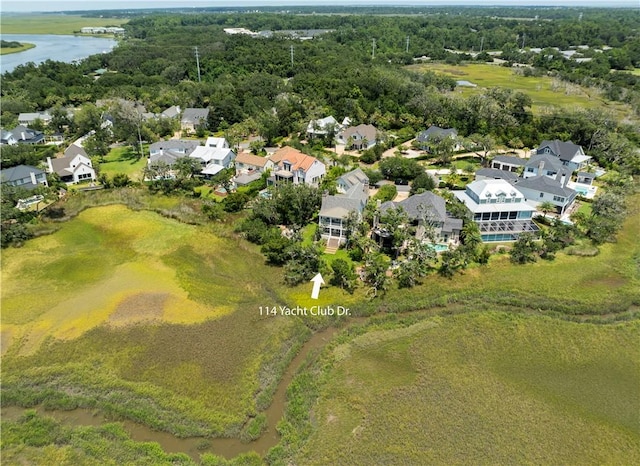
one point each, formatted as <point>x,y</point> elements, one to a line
<point>440,247</point>
<point>53,47</point>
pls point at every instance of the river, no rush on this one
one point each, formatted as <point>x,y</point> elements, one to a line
<point>53,47</point>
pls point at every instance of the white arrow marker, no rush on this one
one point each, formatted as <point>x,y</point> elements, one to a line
<point>317,282</point>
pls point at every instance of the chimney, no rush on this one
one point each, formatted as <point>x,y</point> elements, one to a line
<point>540,167</point>
<point>33,178</point>
<point>49,164</point>
<point>567,177</point>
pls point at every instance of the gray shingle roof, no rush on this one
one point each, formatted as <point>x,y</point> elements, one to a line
<point>194,115</point>
<point>510,160</point>
<point>565,150</point>
<point>496,174</point>
<point>424,136</point>
<point>182,144</point>
<point>550,162</point>
<point>415,206</point>
<point>19,172</point>
<point>544,184</point>
<point>352,178</point>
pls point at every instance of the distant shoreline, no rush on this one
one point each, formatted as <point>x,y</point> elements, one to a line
<point>23,46</point>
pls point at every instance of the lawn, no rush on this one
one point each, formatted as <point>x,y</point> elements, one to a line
<point>142,317</point>
<point>123,160</point>
<point>490,388</point>
<point>52,23</point>
<point>544,91</point>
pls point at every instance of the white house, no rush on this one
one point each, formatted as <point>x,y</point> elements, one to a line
<point>500,210</point>
<point>291,165</point>
<point>323,126</point>
<point>539,189</point>
<point>571,155</point>
<point>213,159</point>
<point>219,143</point>
<point>75,166</point>
<point>359,137</point>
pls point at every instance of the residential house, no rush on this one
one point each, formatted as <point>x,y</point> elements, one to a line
<point>192,118</point>
<point>500,209</point>
<point>170,151</point>
<point>213,159</point>
<point>353,192</point>
<point>539,189</point>
<point>220,143</point>
<point>436,133</point>
<point>508,163</point>
<point>171,112</point>
<point>24,135</point>
<point>27,119</point>
<point>250,168</point>
<point>6,137</point>
<point>428,213</point>
<point>359,137</point>
<point>74,166</point>
<point>322,127</point>
<point>542,164</point>
<point>495,174</point>
<point>23,176</point>
<point>248,163</point>
<point>291,165</point>
<point>571,155</point>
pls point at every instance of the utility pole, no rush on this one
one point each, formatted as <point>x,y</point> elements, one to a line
<point>291,56</point>
<point>481,44</point>
<point>524,36</point>
<point>198,63</point>
<point>373,50</point>
<point>407,49</point>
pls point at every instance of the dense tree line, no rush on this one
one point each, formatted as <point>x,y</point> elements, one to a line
<point>251,85</point>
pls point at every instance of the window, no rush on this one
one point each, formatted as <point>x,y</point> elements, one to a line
<point>530,170</point>
<point>541,194</point>
<point>558,199</point>
<point>513,215</point>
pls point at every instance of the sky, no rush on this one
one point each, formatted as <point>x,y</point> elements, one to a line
<point>62,5</point>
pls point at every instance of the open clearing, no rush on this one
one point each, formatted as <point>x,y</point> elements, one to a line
<point>23,46</point>
<point>490,388</point>
<point>123,160</point>
<point>545,92</point>
<point>52,23</point>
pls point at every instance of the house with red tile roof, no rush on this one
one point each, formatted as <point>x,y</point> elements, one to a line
<point>291,165</point>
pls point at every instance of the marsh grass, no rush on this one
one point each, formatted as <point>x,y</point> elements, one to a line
<point>481,388</point>
<point>195,369</point>
<point>52,24</point>
<point>545,91</point>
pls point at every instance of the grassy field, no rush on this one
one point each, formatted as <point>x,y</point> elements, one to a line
<point>52,23</point>
<point>142,317</point>
<point>546,92</point>
<point>489,388</point>
<point>23,46</point>
<point>123,160</point>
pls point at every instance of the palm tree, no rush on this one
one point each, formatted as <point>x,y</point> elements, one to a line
<point>546,207</point>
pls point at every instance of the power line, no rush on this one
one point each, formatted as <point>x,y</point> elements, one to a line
<point>373,50</point>
<point>198,63</point>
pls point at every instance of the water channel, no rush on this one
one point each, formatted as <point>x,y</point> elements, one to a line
<point>194,447</point>
<point>65,48</point>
